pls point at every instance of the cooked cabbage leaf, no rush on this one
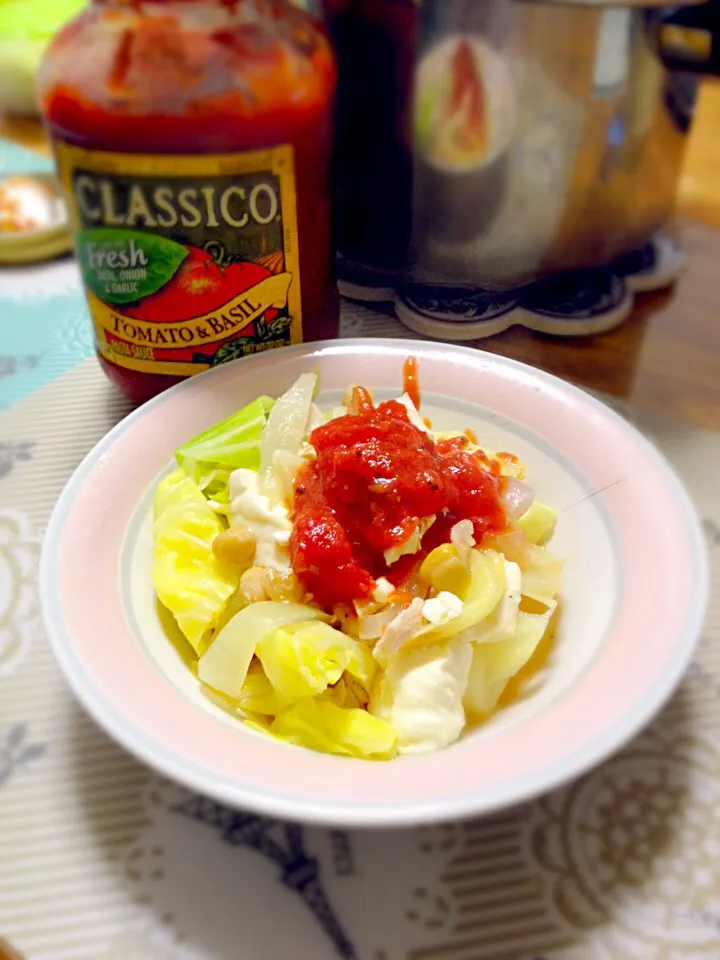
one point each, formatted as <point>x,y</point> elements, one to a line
<point>258,695</point>
<point>211,456</point>
<point>501,623</point>
<point>494,664</point>
<point>537,523</point>
<point>542,575</point>
<point>321,725</point>
<point>541,569</point>
<point>187,577</point>
<point>303,659</point>
<point>479,597</point>
<point>224,666</point>
<point>421,692</point>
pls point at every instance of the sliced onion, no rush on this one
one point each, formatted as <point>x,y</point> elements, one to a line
<point>316,418</point>
<point>365,607</point>
<point>286,465</point>
<point>413,416</point>
<point>414,585</point>
<point>516,500</point>
<point>285,430</point>
<point>225,663</point>
<point>372,625</point>
<point>356,398</point>
<point>462,537</point>
<point>513,545</point>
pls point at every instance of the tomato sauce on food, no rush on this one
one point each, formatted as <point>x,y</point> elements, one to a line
<point>373,479</point>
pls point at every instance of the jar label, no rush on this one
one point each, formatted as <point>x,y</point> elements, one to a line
<point>188,261</point>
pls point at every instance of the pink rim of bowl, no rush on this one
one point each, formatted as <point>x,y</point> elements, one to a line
<point>662,595</point>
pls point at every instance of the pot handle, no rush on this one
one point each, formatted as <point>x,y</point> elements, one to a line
<point>687,39</point>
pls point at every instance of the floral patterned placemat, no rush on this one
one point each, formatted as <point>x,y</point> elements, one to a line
<point>102,859</point>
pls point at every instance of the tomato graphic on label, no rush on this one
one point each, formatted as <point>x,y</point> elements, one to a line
<point>186,299</point>
<point>200,286</point>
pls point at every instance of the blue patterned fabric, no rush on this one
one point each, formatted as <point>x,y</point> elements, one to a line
<point>17,159</point>
<point>45,327</point>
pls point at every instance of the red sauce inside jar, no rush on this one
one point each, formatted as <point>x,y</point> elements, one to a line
<point>207,80</point>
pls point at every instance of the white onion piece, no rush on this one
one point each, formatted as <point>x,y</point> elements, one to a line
<point>364,608</point>
<point>413,416</point>
<point>285,430</point>
<point>316,418</point>
<point>414,585</point>
<point>286,466</point>
<point>513,545</point>
<point>371,626</point>
<point>516,499</point>
<point>225,663</point>
<point>352,399</point>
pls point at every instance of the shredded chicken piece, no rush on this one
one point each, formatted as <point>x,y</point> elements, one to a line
<point>402,629</point>
<point>356,692</point>
<point>372,626</point>
<point>462,534</point>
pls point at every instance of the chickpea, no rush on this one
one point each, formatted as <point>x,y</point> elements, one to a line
<point>284,586</point>
<point>253,584</point>
<point>235,546</point>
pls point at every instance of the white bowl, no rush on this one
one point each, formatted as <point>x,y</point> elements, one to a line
<point>632,603</point>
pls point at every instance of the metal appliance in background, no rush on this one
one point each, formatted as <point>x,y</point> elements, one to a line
<point>485,144</point>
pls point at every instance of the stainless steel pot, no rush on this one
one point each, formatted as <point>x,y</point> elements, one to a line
<point>491,142</point>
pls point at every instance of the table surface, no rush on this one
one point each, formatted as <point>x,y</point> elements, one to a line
<point>101,859</point>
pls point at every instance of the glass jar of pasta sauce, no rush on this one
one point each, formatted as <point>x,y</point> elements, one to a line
<point>193,140</point>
